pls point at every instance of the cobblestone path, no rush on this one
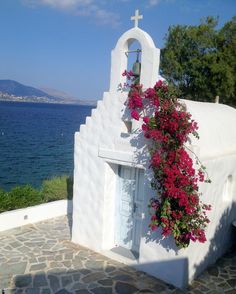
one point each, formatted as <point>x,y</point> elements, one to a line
<point>39,258</point>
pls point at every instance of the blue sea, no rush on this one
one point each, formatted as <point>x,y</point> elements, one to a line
<point>37,141</point>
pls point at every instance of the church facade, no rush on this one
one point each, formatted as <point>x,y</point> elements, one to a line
<point>112,178</point>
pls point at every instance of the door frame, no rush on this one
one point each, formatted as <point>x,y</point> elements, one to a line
<point>137,173</point>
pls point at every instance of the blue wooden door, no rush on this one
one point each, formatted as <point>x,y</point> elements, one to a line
<point>129,204</point>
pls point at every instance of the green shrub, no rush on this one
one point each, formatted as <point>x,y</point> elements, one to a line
<point>19,197</point>
<point>57,188</point>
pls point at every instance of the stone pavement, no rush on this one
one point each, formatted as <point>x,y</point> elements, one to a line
<point>39,258</point>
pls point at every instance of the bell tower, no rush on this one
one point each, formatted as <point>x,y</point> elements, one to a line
<point>149,63</point>
<point>105,153</point>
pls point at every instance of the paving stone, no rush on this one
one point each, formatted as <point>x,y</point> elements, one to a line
<point>77,264</point>
<point>16,268</point>
<point>66,280</point>
<point>14,260</point>
<point>34,244</point>
<point>110,268</point>
<point>8,291</point>
<point>76,277</point>
<point>38,266</point>
<point>22,281</point>
<point>224,276</point>
<point>68,256</point>
<point>124,288</point>
<point>67,263</point>
<point>146,291</point>
<point>55,270</point>
<point>4,282</point>
<point>58,258</point>
<point>82,253</point>
<point>93,277</point>
<point>94,265</point>
<point>85,271</point>
<point>23,249</point>
<point>66,268</point>
<point>159,287</point>
<point>231,291</point>
<point>78,286</point>
<point>40,281</point>
<point>123,278</point>
<point>46,291</point>
<point>18,291</point>
<point>54,282</point>
<point>106,282</point>
<point>179,291</point>
<point>232,282</point>
<point>101,290</point>
<point>32,291</point>
<point>63,291</point>
<point>83,291</point>
<point>224,286</point>
<point>198,292</point>
<point>213,271</point>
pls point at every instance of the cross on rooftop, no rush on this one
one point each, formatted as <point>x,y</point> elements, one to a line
<point>136,18</point>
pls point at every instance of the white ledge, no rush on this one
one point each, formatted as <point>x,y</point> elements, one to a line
<point>24,216</point>
<point>119,157</point>
<point>116,155</point>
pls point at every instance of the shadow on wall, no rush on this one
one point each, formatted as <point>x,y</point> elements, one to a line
<point>224,235</point>
<point>69,185</point>
<point>224,238</point>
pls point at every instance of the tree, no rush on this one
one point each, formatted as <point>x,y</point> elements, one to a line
<point>201,60</point>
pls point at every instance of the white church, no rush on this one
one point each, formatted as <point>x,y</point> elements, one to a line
<point>112,179</point>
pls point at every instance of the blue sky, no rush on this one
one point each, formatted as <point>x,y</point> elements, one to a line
<point>66,44</point>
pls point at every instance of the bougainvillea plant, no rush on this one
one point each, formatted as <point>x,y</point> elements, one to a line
<point>176,207</point>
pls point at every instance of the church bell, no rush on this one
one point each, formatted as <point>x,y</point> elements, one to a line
<point>136,69</point>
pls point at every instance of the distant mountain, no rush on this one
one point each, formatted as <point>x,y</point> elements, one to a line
<point>57,93</point>
<point>67,97</point>
<point>13,91</point>
<point>11,87</point>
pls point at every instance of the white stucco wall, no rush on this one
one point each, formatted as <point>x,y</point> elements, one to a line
<point>99,137</point>
<point>29,215</point>
<point>179,267</point>
<point>101,146</point>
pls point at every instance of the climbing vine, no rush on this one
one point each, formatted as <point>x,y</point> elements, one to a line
<point>176,207</point>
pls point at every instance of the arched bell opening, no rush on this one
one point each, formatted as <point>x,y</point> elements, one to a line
<point>149,59</point>
<point>133,58</point>
<point>134,55</point>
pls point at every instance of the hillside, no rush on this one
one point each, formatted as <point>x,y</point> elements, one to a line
<point>13,91</point>
<point>11,87</point>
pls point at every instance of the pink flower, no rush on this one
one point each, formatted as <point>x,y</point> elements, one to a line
<point>146,119</point>
<point>150,93</point>
<point>156,102</point>
<point>145,128</point>
<point>158,84</point>
<point>176,208</point>
<point>135,114</point>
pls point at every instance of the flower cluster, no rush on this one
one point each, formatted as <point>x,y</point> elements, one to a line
<point>176,208</point>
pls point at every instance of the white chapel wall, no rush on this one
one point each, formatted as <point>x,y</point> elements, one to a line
<point>100,148</point>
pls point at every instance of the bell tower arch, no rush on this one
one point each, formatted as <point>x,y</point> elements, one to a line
<point>150,59</point>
